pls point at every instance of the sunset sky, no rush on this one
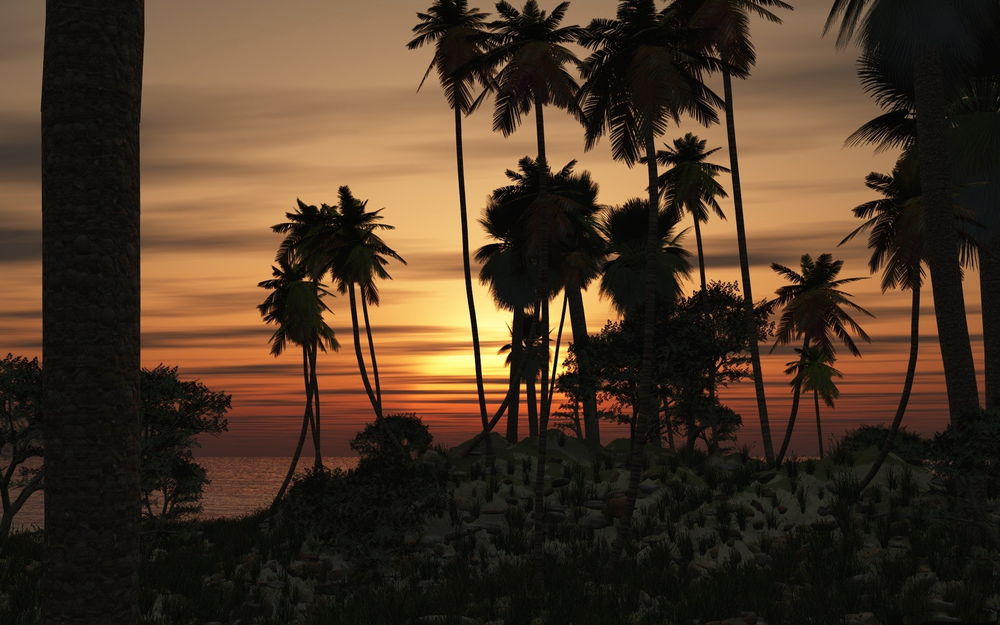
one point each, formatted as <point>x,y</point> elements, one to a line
<point>251,104</point>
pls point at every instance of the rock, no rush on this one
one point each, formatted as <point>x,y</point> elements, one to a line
<point>444,619</point>
<point>593,504</point>
<point>593,522</point>
<point>649,487</point>
<point>940,605</point>
<point>782,509</point>
<point>616,507</point>
<point>767,492</point>
<point>758,525</point>
<point>759,507</point>
<point>765,476</point>
<point>824,511</point>
<point>560,482</point>
<point>941,617</point>
<point>497,506</point>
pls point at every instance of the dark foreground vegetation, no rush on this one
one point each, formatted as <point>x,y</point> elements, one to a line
<point>425,537</point>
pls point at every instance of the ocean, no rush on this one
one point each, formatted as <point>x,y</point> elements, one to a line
<point>238,485</point>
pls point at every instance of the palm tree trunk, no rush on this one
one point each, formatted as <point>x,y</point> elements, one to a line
<point>647,413</point>
<point>701,255</point>
<point>904,398</point>
<point>307,418</point>
<point>819,427</point>
<point>91,93</point>
<point>314,382</point>
<point>529,386</point>
<point>741,240</point>
<point>795,408</point>
<point>555,359</point>
<point>467,269</point>
<point>989,289</point>
<point>359,355</point>
<point>516,371</point>
<point>371,352</point>
<point>942,248</point>
<point>588,390</point>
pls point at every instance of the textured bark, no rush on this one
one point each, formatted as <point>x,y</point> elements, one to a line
<point>307,419</point>
<point>989,288</point>
<point>91,96</point>
<point>514,381</point>
<point>819,426</point>
<point>741,241</point>
<point>942,248</point>
<point>314,384</point>
<point>532,399</point>
<point>701,255</point>
<point>648,402</point>
<point>470,300</point>
<point>588,390</point>
<point>796,396</point>
<point>904,398</point>
<point>359,355</point>
<point>371,352</point>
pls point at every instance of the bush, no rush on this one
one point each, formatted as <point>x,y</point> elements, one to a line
<point>909,446</point>
<point>378,441</point>
<point>970,447</point>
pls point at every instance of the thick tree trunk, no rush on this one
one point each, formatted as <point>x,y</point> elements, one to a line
<point>904,398</point>
<point>942,248</point>
<point>989,288</point>
<point>647,414</point>
<point>470,299</point>
<point>555,358</point>
<point>588,390</point>
<point>701,255</point>
<point>91,94</point>
<point>532,399</point>
<point>371,352</point>
<point>819,426</point>
<point>516,371</point>
<point>307,419</point>
<point>357,352</point>
<point>796,396</point>
<point>741,240</point>
<point>314,382</point>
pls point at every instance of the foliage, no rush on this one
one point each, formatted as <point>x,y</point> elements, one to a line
<point>20,434</point>
<point>375,443</point>
<point>702,345</point>
<point>970,447</point>
<point>909,446</point>
<point>174,414</point>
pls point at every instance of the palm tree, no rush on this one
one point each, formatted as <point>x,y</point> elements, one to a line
<point>91,88</point>
<point>534,359</point>
<point>295,304</point>
<point>814,371</point>
<point>645,69</point>
<point>458,34</point>
<point>690,185</point>
<point>727,23</point>
<point>622,273</point>
<point>814,311</point>
<point>928,43</point>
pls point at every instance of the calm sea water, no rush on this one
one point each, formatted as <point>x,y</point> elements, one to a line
<point>238,485</point>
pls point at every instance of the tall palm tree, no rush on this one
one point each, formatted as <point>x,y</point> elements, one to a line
<point>646,69</point>
<point>534,359</point>
<point>814,311</point>
<point>690,185</point>
<point>928,42</point>
<point>458,34</point>
<point>295,305</point>
<point>814,371</point>
<point>727,23</point>
<point>91,88</point>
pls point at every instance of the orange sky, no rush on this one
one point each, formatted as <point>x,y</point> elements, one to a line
<point>251,104</point>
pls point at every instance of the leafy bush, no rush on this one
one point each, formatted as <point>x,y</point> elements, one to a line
<point>909,446</point>
<point>970,447</point>
<point>397,436</point>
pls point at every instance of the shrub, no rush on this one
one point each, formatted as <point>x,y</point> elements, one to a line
<point>909,446</point>
<point>379,439</point>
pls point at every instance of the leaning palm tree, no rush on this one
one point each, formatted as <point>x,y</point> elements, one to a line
<point>814,371</point>
<point>295,305</point>
<point>814,311</point>
<point>458,34</point>
<point>91,88</point>
<point>727,24</point>
<point>645,70</point>
<point>928,43</point>
<point>347,245</point>
<point>690,185</point>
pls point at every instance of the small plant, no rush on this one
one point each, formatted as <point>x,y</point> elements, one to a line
<point>801,495</point>
<point>907,484</point>
<point>744,454</point>
<point>891,478</point>
<point>792,468</point>
<point>810,466</point>
<point>846,487</point>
